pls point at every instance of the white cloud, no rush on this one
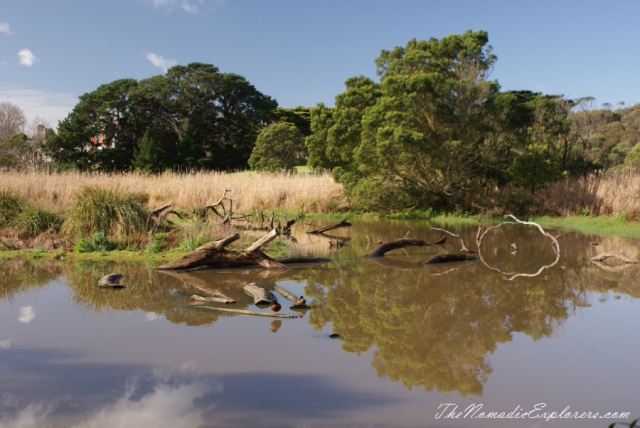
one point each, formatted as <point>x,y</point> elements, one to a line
<point>160,62</point>
<point>167,406</point>
<point>5,344</point>
<point>4,28</point>
<point>151,316</point>
<point>50,106</point>
<point>27,57</point>
<point>191,6</point>
<point>26,314</point>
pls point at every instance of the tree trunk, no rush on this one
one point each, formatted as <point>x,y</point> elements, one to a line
<point>214,254</point>
<point>381,249</point>
<point>261,296</point>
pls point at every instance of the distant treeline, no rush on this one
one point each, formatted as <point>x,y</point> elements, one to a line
<point>434,131</point>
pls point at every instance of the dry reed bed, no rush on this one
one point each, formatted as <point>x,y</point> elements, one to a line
<point>598,194</point>
<point>292,192</point>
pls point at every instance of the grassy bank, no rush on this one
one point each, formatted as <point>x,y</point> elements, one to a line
<point>291,192</point>
<point>109,215</point>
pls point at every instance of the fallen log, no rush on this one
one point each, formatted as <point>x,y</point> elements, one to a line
<point>343,223</point>
<point>440,241</point>
<point>464,248</point>
<point>298,302</point>
<point>261,296</point>
<point>215,254</point>
<point>156,212</point>
<point>612,254</point>
<point>197,298</point>
<point>448,258</point>
<point>385,247</point>
<point>243,312</point>
<point>284,293</point>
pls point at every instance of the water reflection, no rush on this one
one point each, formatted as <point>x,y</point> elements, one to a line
<point>431,327</point>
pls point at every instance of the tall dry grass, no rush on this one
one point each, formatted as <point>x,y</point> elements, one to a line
<point>598,194</point>
<point>292,192</point>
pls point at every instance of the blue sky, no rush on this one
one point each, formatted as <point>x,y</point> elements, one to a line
<point>301,52</point>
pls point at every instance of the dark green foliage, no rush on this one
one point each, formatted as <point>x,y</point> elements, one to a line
<point>191,117</point>
<point>97,242</point>
<point>116,213</point>
<point>298,116</point>
<point>280,146</point>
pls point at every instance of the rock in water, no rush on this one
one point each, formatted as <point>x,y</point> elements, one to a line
<point>111,280</point>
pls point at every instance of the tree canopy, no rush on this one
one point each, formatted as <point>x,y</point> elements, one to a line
<point>193,116</point>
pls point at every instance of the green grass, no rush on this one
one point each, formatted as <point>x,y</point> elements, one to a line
<point>115,213</point>
<point>10,206</point>
<point>604,226</point>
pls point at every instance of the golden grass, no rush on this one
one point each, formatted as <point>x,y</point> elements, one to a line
<point>596,195</point>
<point>291,192</point>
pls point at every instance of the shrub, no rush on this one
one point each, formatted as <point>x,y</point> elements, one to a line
<point>115,213</point>
<point>33,220</point>
<point>97,242</point>
<point>10,206</point>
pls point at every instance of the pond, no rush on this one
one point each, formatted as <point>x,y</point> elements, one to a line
<point>416,347</point>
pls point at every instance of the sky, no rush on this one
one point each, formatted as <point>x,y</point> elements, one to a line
<point>300,52</point>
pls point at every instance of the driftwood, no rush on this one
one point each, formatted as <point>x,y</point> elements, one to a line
<point>261,296</point>
<point>298,302</point>
<point>112,280</point>
<point>465,248</point>
<point>243,312</point>
<point>385,247</point>
<point>512,275</point>
<point>156,212</point>
<point>196,298</point>
<point>220,203</point>
<point>612,254</point>
<point>343,223</point>
<point>440,241</point>
<point>215,254</point>
<point>448,258</point>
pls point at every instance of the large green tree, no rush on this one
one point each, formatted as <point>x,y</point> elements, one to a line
<point>280,146</point>
<point>198,118</point>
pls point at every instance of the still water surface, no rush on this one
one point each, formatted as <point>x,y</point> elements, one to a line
<point>414,340</point>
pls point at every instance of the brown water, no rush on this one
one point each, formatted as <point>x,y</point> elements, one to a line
<point>414,341</point>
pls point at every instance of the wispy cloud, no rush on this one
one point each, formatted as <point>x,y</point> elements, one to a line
<point>191,6</point>
<point>160,62</point>
<point>27,57</point>
<point>4,28</point>
<point>5,344</point>
<point>26,314</point>
<point>50,106</point>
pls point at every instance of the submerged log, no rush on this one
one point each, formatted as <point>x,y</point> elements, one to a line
<point>215,254</point>
<point>343,223</point>
<point>243,312</point>
<point>112,280</point>
<point>447,258</point>
<point>385,247</point>
<point>612,254</point>
<point>261,296</point>
<point>197,298</point>
<point>464,248</point>
<point>298,302</point>
<point>614,269</point>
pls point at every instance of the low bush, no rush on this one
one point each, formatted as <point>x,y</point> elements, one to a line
<point>33,220</point>
<point>116,213</point>
<point>98,242</point>
<point>10,206</point>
